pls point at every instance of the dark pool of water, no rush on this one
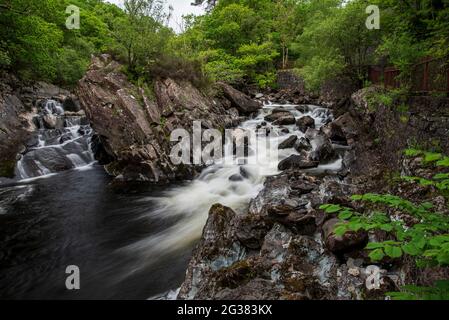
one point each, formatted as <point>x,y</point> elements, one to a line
<point>76,218</point>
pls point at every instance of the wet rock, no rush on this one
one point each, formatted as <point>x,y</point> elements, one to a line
<point>335,133</point>
<point>302,144</point>
<point>350,241</point>
<point>305,123</point>
<point>245,172</point>
<point>65,138</point>
<point>98,148</point>
<point>297,162</point>
<point>33,141</point>
<point>239,100</point>
<point>251,230</point>
<point>303,108</point>
<point>53,159</point>
<point>323,150</point>
<point>236,178</point>
<point>217,250</point>
<point>255,289</point>
<point>304,270</point>
<point>285,121</point>
<point>278,115</point>
<point>289,143</point>
<point>53,122</point>
<point>344,130</point>
<point>71,104</point>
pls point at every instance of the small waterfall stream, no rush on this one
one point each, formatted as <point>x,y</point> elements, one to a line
<point>61,143</point>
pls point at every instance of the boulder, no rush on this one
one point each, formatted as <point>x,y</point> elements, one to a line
<point>53,122</point>
<point>239,100</point>
<point>297,162</point>
<point>350,241</point>
<point>285,121</point>
<point>236,178</point>
<point>322,145</point>
<point>305,123</point>
<point>289,143</point>
<point>323,150</point>
<point>335,133</point>
<point>302,144</point>
<point>278,115</point>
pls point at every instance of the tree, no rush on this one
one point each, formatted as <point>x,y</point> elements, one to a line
<point>141,33</point>
<point>337,43</point>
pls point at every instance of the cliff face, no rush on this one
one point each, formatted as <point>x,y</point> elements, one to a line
<point>133,125</point>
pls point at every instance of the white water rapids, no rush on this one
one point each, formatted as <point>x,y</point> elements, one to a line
<point>191,203</point>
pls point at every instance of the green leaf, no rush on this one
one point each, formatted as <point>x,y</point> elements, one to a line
<point>345,215</point>
<point>340,230</point>
<point>386,227</point>
<point>444,162</point>
<point>355,226</point>
<point>374,245</point>
<point>413,152</point>
<point>432,157</point>
<point>411,249</point>
<point>393,252</point>
<point>357,197</point>
<point>377,255</point>
<point>441,176</point>
<point>331,208</point>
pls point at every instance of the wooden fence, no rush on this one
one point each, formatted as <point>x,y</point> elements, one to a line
<point>429,75</point>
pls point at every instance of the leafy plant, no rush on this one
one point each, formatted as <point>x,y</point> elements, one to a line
<point>423,236</point>
<point>439,291</point>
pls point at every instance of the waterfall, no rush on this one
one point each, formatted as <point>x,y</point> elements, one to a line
<point>62,142</point>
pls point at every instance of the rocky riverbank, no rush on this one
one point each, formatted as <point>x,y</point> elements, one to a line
<point>284,247</point>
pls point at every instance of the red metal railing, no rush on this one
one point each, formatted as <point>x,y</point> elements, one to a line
<point>429,75</point>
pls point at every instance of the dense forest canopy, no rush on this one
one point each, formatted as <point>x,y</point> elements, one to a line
<point>238,41</point>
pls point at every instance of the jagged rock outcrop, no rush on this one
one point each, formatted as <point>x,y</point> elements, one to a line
<point>275,250</point>
<point>239,100</point>
<point>133,125</point>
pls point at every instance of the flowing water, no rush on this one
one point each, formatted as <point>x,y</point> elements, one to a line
<point>62,142</point>
<point>127,245</point>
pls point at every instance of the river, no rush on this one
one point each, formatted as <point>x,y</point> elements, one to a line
<point>132,244</point>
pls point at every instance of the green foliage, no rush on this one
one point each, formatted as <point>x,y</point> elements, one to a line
<point>439,291</point>
<point>437,159</point>
<point>403,52</point>
<point>336,43</point>
<point>35,43</point>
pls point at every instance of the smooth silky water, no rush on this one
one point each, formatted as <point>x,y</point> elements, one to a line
<point>133,245</point>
